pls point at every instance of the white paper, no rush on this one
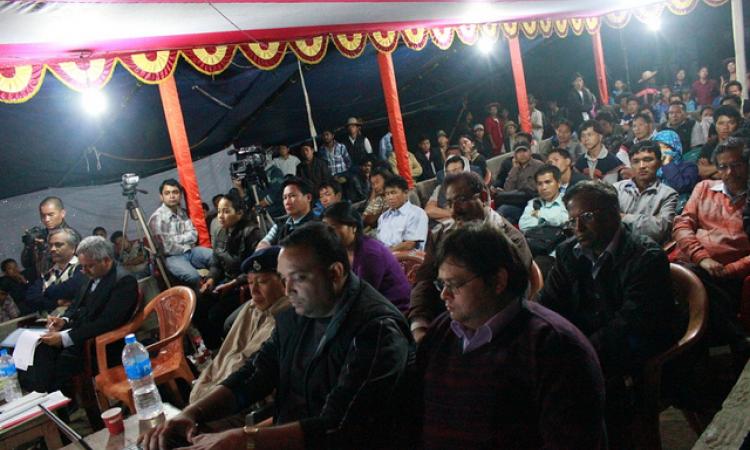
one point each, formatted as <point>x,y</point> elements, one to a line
<point>26,406</point>
<point>23,354</point>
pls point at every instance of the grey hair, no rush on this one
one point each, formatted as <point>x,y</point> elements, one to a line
<point>72,237</point>
<point>96,248</point>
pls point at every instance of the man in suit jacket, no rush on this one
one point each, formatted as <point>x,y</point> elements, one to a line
<point>104,303</point>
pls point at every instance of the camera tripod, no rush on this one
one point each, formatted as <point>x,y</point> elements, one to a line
<point>265,222</point>
<point>134,212</point>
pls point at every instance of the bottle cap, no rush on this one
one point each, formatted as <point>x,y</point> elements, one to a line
<point>129,339</point>
<point>3,352</point>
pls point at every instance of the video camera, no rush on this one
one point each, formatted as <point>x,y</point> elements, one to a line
<point>31,235</point>
<point>129,184</point>
<point>249,167</point>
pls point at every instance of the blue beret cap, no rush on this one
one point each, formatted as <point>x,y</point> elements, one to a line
<point>263,260</point>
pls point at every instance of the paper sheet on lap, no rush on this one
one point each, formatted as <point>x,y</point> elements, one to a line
<point>25,346</point>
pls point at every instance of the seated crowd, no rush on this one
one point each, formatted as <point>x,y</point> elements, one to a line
<point>470,353</point>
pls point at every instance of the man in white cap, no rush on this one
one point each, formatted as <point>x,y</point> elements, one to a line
<point>356,143</point>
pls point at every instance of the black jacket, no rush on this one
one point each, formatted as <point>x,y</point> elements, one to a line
<point>109,306</point>
<point>316,172</point>
<point>357,382</point>
<point>231,248</point>
<point>627,311</point>
<point>430,167</point>
<point>577,106</point>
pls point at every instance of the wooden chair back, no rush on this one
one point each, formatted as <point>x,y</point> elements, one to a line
<point>536,280</point>
<point>692,299</point>
<point>410,261</point>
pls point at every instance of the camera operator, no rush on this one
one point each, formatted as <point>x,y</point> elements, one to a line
<point>36,257</point>
<point>250,170</point>
<point>171,226</point>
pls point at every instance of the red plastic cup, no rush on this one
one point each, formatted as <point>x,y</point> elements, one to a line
<point>113,420</point>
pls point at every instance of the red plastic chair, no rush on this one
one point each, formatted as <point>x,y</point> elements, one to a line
<point>174,309</point>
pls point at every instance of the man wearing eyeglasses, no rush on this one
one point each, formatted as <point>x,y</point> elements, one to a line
<point>463,193</point>
<point>614,285</point>
<point>711,239</point>
<point>647,204</point>
<point>498,371</point>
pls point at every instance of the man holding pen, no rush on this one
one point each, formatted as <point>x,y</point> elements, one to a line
<point>105,302</point>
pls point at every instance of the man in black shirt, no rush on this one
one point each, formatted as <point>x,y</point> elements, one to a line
<point>341,363</point>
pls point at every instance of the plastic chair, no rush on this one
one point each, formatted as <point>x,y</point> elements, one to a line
<point>410,261</point>
<point>536,280</point>
<point>83,383</point>
<point>689,293</point>
<point>174,309</point>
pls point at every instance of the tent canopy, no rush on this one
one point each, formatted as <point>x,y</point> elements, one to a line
<point>36,32</point>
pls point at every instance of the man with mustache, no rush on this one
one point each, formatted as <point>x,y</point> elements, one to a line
<point>341,362</point>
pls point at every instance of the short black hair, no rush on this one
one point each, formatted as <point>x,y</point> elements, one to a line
<point>633,98</point>
<point>705,107</point>
<point>344,213</point>
<point>330,183</point>
<point>57,201</point>
<point>680,103</point>
<point>471,179</point>
<point>524,135</point>
<point>733,98</point>
<point>732,83</point>
<point>566,122</point>
<point>6,262</point>
<point>605,116</point>
<point>591,123</point>
<point>170,182</point>
<point>397,182</point>
<point>382,172</point>
<point>646,146</point>
<point>644,117</point>
<point>423,138</point>
<point>216,198</point>
<point>483,250</point>
<point>603,195</point>
<point>302,184</point>
<point>235,200</point>
<point>732,144</point>
<point>548,168</point>
<point>560,151</point>
<point>455,159</point>
<point>114,236</point>
<point>322,240</point>
<point>728,111</point>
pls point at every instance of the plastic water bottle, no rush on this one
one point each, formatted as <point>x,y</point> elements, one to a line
<point>9,387</point>
<point>137,366</point>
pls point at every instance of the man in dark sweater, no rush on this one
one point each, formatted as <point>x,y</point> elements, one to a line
<point>341,362</point>
<point>614,285</point>
<point>496,370</point>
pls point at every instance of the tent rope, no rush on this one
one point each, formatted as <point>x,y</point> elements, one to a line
<point>310,123</point>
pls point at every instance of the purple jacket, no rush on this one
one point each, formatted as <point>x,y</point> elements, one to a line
<point>374,263</point>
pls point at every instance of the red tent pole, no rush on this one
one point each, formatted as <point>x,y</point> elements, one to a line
<point>516,62</point>
<point>601,72</point>
<point>176,126</point>
<point>392,104</point>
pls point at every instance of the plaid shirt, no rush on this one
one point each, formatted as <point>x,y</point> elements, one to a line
<point>175,231</point>
<point>338,158</point>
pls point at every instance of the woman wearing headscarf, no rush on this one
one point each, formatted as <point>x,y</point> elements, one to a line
<point>682,176</point>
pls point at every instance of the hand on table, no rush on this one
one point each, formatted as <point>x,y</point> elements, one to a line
<point>229,439</point>
<point>178,429</point>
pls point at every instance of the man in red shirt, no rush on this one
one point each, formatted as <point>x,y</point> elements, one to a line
<point>703,89</point>
<point>712,242</point>
<point>493,127</point>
